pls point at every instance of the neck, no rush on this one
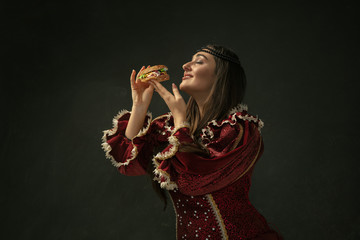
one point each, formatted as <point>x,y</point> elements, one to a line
<point>200,102</point>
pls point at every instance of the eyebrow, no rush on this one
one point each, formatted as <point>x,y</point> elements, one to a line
<point>201,55</point>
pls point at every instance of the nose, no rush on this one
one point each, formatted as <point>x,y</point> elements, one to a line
<point>186,66</point>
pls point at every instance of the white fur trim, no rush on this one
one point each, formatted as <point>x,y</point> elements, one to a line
<point>168,154</point>
<point>208,133</point>
<point>239,108</point>
<point>161,156</point>
<point>134,151</point>
<point>182,125</point>
<point>168,184</point>
<point>167,126</point>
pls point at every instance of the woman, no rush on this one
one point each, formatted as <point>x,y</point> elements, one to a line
<point>202,152</point>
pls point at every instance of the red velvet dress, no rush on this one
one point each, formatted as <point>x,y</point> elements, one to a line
<point>209,194</point>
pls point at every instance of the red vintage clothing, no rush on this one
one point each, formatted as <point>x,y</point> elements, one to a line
<point>209,194</point>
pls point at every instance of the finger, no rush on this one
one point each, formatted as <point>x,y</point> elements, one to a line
<point>160,89</point>
<point>152,85</point>
<point>176,91</point>
<point>151,88</point>
<point>164,94</point>
<point>132,78</point>
<point>137,76</point>
<point>142,68</point>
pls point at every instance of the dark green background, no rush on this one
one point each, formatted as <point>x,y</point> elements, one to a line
<point>65,74</point>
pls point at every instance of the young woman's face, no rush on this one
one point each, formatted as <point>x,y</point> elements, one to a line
<point>199,75</point>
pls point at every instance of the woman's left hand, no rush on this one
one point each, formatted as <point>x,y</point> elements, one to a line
<point>175,102</point>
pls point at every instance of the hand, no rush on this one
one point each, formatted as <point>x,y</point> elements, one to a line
<point>175,102</point>
<point>141,92</point>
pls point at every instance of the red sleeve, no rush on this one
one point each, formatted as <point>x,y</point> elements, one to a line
<point>235,145</point>
<point>197,175</point>
<point>131,157</point>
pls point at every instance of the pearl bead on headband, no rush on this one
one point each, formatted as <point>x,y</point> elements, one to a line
<point>219,55</point>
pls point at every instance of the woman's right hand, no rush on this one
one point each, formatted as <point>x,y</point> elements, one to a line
<point>141,95</point>
<point>141,92</point>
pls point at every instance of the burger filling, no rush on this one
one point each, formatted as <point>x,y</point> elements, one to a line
<point>155,73</point>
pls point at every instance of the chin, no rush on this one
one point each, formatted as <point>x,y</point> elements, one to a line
<point>181,86</point>
<point>187,88</point>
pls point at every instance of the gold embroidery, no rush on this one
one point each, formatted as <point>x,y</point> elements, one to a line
<point>176,217</point>
<point>241,132</point>
<point>219,219</point>
<point>253,161</point>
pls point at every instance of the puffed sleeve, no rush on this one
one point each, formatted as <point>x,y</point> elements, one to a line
<point>234,144</point>
<point>131,157</point>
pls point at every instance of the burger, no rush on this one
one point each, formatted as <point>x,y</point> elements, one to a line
<point>157,73</point>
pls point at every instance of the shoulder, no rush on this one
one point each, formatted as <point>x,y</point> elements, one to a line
<point>237,121</point>
<point>238,114</point>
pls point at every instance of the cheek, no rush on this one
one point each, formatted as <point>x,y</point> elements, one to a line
<point>205,78</point>
<point>202,73</point>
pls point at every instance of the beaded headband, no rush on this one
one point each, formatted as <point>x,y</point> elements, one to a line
<point>219,55</point>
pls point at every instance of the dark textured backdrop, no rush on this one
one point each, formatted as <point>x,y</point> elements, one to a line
<point>65,75</point>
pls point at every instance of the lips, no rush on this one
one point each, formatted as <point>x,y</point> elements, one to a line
<point>187,76</point>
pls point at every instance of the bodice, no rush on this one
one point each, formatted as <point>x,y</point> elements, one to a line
<point>223,214</point>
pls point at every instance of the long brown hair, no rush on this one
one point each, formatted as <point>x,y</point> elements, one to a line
<point>229,87</point>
